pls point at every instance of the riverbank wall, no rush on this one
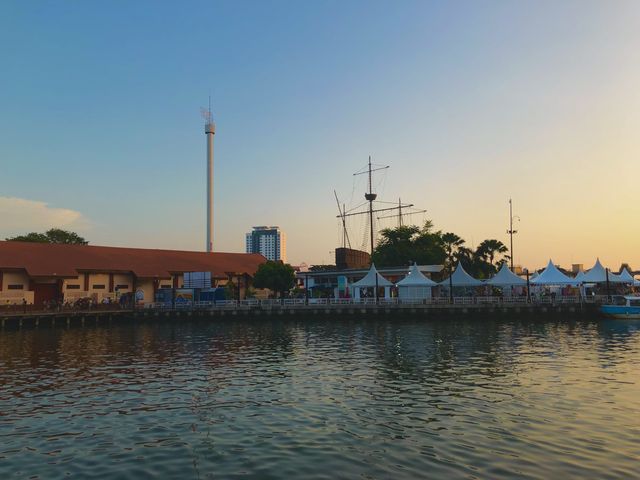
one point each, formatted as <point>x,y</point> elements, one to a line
<point>83,318</point>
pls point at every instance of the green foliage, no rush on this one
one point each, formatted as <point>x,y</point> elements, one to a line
<point>451,243</point>
<point>230,291</point>
<point>322,268</point>
<point>402,245</point>
<point>489,248</point>
<point>276,276</point>
<point>405,244</point>
<point>53,235</point>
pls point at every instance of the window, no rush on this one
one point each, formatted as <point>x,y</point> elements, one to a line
<point>73,287</point>
<point>98,287</point>
<point>15,286</point>
<point>165,286</point>
<point>122,287</point>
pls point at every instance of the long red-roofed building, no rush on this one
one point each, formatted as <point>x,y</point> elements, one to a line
<point>39,272</point>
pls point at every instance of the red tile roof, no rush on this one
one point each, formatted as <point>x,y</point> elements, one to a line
<point>43,259</point>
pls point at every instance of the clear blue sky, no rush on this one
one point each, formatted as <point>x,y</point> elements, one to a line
<point>469,102</point>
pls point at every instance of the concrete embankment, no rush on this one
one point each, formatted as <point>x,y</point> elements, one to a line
<point>85,318</point>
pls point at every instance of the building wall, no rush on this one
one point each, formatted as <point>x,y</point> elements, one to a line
<point>15,296</point>
<point>14,278</point>
<point>122,283</point>
<point>282,246</point>
<point>69,290</point>
<point>248,243</point>
<point>146,286</point>
<point>78,287</point>
<point>99,283</point>
<point>74,288</point>
<point>122,280</point>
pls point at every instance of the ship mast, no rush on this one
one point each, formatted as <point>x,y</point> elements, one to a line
<point>370,197</point>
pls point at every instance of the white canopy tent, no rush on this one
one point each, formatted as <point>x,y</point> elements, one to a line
<point>552,276</point>
<point>460,278</point>
<point>506,278</point>
<point>598,274</point>
<point>578,278</point>
<point>623,277</point>
<point>369,281</point>
<point>415,285</point>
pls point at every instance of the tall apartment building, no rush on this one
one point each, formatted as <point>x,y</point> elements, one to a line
<point>269,241</point>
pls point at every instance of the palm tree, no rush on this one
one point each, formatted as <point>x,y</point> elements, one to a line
<point>489,248</point>
<point>451,241</point>
<point>452,244</point>
<point>464,256</point>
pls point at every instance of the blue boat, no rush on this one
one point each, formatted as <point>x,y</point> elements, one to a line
<point>627,307</point>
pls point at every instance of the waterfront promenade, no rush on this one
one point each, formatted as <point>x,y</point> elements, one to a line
<point>480,307</point>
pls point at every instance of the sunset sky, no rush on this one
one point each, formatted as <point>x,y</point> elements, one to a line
<point>470,103</point>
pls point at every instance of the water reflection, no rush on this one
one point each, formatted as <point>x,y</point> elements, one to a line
<point>270,399</point>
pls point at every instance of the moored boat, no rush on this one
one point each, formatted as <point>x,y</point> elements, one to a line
<point>627,307</point>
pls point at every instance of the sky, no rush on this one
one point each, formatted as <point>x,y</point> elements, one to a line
<point>469,103</point>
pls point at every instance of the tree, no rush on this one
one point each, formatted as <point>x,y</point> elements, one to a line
<point>429,245</point>
<point>396,246</point>
<point>322,268</point>
<point>53,235</point>
<point>452,243</point>
<point>401,245</point>
<point>276,276</point>
<point>231,291</point>
<point>489,248</point>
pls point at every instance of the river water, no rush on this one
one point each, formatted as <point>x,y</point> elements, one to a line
<point>322,399</point>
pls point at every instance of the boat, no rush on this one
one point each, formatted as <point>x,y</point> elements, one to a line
<point>625,307</point>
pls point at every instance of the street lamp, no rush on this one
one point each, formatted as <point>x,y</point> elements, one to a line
<point>511,231</point>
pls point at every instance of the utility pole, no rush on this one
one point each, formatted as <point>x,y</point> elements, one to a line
<point>511,232</point>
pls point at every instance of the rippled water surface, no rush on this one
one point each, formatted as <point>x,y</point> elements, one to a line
<point>322,399</point>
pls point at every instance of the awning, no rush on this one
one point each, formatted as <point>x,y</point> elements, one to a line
<point>369,280</point>
<point>598,274</point>
<point>552,276</point>
<point>415,278</point>
<point>460,278</point>
<point>623,277</point>
<point>506,278</point>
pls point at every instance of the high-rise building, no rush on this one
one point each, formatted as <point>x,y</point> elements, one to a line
<point>269,241</point>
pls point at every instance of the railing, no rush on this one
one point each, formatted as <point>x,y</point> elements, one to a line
<point>319,301</point>
<point>597,299</point>
<point>463,300</point>
<point>311,302</point>
<point>489,300</point>
<point>511,300</point>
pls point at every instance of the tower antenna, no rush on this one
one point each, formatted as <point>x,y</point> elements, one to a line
<point>209,130</point>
